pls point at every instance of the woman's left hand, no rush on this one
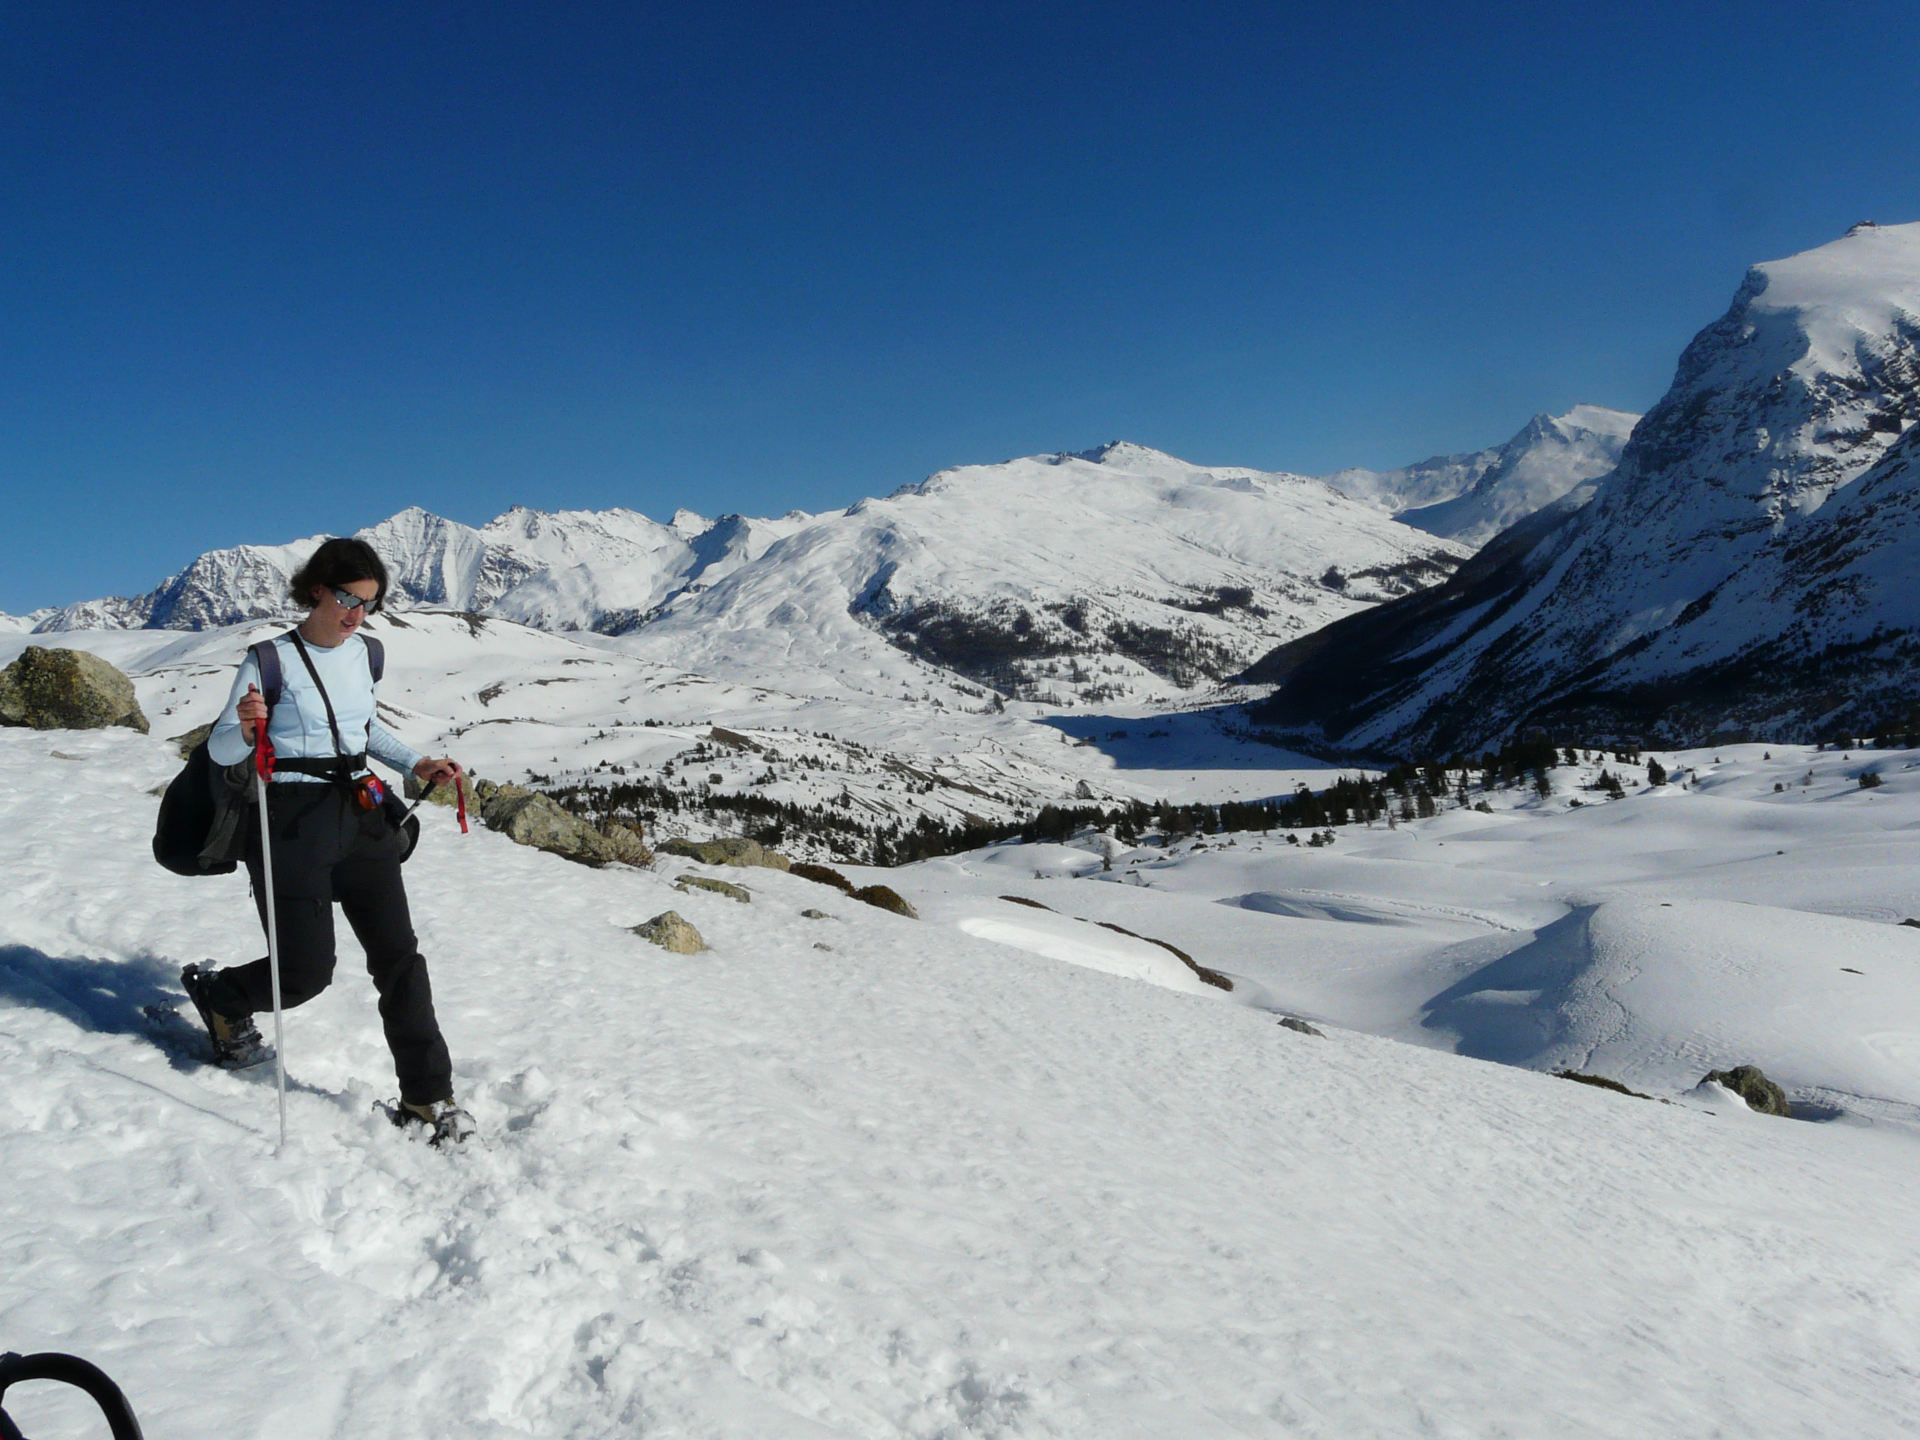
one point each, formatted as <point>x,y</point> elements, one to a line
<point>437,772</point>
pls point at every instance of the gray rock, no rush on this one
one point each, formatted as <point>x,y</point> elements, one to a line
<point>728,850</point>
<point>628,847</point>
<point>815,915</point>
<point>185,743</point>
<point>670,932</point>
<point>67,690</point>
<point>1291,1023</point>
<point>718,887</point>
<point>530,818</point>
<point>1752,1086</point>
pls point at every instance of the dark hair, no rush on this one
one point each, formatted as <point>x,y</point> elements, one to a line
<point>335,563</point>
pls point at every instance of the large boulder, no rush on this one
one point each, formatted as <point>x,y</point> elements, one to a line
<point>534,819</point>
<point>728,850</point>
<point>670,932</point>
<point>67,690</point>
<point>1752,1086</point>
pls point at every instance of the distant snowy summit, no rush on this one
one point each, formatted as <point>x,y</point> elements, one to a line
<point>1066,578</point>
<point>1073,577</point>
<point>1471,498</point>
<point>1747,569</point>
<point>570,569</point>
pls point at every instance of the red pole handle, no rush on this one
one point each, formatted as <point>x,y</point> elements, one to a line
<point>262,751</point>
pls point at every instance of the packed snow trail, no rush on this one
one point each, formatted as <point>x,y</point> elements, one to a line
<point>917,1183</point>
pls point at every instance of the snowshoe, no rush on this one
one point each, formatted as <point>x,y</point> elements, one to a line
<point>237,1042</point>
<point>447,1123</point>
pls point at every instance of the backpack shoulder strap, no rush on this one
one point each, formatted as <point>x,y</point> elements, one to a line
<point>376,657</point>
<point>266,657</point>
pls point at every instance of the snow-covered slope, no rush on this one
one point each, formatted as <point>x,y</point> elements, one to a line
<point>865,1176</point>
<point>1470,498</point>
<point>23,624</point>
<point>1725,574</point>
<point>871,735</point>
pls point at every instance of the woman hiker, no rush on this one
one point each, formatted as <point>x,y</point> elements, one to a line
<point>332,840</point>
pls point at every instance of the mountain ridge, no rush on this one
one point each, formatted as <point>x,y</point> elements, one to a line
<point>1618,617</point>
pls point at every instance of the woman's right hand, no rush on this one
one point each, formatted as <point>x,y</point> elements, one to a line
<point>251,710</point>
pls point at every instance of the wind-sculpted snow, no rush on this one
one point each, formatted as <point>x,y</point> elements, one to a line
<point>1694,595</point>
<point>986,1174</point>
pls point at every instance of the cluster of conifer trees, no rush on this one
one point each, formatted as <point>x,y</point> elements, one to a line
<point>1407,791</point>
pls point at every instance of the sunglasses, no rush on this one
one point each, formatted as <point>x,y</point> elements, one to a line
<point>347,600</point>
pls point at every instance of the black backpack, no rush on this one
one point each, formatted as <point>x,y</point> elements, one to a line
<point>201,829</point>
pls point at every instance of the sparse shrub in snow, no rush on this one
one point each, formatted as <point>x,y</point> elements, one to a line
<point>1870,780</point>
<point>822,875</point>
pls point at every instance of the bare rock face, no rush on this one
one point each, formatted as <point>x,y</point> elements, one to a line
<point>887,898</point>
<point>186,743</point>
<point>1752,1086</point>
<point>670,932</point>
<point>530,818</point>
<point>628,846</point>
<point>717,887</point>
<point>67,690</point>
<point>728,850</point>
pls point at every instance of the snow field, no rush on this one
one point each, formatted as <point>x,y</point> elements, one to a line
<point>920,1183</point>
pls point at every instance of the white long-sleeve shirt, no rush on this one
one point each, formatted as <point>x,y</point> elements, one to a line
<point>297,726</point>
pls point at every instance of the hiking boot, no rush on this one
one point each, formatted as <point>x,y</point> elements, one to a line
<point>237,1044</point>
<point>450,1124</point>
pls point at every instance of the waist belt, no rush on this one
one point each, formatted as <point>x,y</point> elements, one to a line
<point>339,768</point>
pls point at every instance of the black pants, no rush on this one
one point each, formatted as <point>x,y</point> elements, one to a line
<point>326,849</point>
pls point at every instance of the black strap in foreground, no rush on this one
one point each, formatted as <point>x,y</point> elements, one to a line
<point>70,1370</point>
<point>325,699</point>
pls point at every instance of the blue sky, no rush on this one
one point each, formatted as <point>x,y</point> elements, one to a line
<point>273,270</point>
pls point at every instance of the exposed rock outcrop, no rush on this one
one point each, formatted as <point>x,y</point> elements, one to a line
<point>728,850</point>
<point>67,690</point>
<point>716,887</point>
<point>1752,1086</point>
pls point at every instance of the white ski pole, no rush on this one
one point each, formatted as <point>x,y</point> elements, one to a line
<point>273,946</point>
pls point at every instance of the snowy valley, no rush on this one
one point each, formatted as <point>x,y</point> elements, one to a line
<point>1221,1110</point>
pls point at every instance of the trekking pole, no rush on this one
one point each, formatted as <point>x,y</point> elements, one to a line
<point>262,771</point>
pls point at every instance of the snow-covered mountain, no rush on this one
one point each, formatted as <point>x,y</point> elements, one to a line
<point>1471,498</point>
<point>1117,572</point>
<point>567,570</point>
<point>1746,569</point>
<point>23,624</point>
